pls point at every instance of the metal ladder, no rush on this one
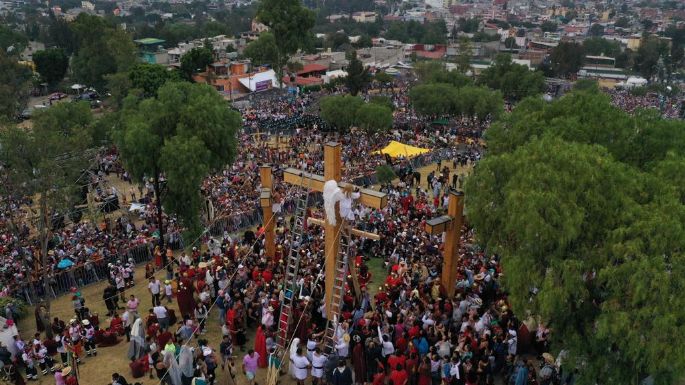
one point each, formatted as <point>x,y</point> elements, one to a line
<point>292,267</point>
<point>341,269</point>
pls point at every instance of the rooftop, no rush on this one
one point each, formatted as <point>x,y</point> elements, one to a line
<point>149,41</point>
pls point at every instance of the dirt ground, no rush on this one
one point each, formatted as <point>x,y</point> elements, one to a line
<point>98,370</point>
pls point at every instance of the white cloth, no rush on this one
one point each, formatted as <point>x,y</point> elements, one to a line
<point>346,211</point>
<point>300,363</point>
<point>293,353</point>
<point>318,364</point>
<point>332,194</point>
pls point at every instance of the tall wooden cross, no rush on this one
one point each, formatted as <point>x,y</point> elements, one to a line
<point>333,171</point>
<point>266,202</point>
<point>451,225</point>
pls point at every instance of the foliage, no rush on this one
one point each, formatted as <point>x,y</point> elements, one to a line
<point>464,53</point>
<point>385,174</point>
<point>586,85</point>
<point>622,22</point>
<point>19,307</point>
<point>374,118</point>
<point>469,25</point>
<point>510,43</point>
<point>515,81</point>
<point>383,77</point>
<point>549,26</point>
<point>647,56</point>
<point>11,38</point>
<point>596,30</point>
<point>194,61</point>
<point>439,99</point>
<point>382,101</point>
<point>14,82</point>
<point>567,58</point>
<point>263,50</point>
<point>290,24</point>
<point>150,77</point>
<point>118,85</point>
<point>584,203</point>
<point>358,76</point>
<point>183,133</point>
<point>434,32</point>
<point>102,49</point>
<point>340,111</point>
<point>51,64</point>
<point>599,46</point>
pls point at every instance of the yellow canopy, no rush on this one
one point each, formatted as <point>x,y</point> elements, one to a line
<point>396,149</point>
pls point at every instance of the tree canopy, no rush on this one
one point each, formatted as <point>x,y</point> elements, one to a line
<point>567,58</point>
<point>150,77</point>
<point>194,61</point>
<point>585,205</point>
<point>374,118</point>
<point>358,76</point>
<point>182,134</point>
<point>340,111</point>
<point>290,23</point>
<point>515,81</point>
<point>263,50</point>
<point>51,64</point>
<point>14,81</point>
<point>440,99</point>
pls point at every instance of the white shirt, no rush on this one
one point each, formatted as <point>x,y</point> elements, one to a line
<point>300,363</point>
<point>160,312</point>
<point>318,362</point>
<point>154,286</point>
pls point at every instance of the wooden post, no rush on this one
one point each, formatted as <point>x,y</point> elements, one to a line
<point>332,170</point>
<point>267,209</point>
<point>455,210</point>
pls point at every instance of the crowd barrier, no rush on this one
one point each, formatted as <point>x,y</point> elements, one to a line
<point>61,282</point>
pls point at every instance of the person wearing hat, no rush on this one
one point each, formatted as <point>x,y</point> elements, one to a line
<point>89,338</point>
<point>29,361</point>
<point>69,376</point>
<point>343,346</point>
<point>59,379</point>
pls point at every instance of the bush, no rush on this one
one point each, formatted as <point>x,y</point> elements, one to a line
<point>19,307</point>
<point>385,174</point>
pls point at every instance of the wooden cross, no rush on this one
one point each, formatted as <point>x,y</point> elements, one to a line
<point>333,171</point>
<point>450,224</point>
<point>266,202</point>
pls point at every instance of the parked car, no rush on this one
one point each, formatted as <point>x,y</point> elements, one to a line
<point>57,96</point>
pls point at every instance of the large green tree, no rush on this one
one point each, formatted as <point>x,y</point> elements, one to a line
<point>374,118</point>
<point>585,206</point>
<point>515,81</point>
<point>48,162</point>
<point>358,76</point>
<point>150,77</point>
<point>102,49</point>
<point>181,135</point>
<point>340,111</point>
<point>290,24</point>
<point>194,61</point>
<point>14,82</point>
<point>434,99</point>
<point>51,64</point>
<point>263,50</point>
<point>567,58</point>
<point>10,38</point>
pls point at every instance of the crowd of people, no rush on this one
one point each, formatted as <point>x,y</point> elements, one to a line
<point>670,108</point>
<point>400,328</point>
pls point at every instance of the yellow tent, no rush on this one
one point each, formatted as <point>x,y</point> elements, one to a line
<point>397,149</point>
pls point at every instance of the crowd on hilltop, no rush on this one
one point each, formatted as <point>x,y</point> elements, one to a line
<point>670,108</point>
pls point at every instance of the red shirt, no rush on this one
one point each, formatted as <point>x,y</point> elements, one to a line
<point>399,377</point>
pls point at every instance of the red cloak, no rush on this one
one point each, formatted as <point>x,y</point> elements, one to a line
<point>186,302</point>
<point>260,347</point>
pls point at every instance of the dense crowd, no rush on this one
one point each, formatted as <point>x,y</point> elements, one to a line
<point>670,108</point>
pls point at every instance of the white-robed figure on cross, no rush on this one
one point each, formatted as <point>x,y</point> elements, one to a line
<point>333,194</point>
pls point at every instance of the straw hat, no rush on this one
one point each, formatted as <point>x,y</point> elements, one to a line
<point>85,322</point>
<point>549,359</point>
<point>66,371</point>
<point>57,367</point>
<point>346,337</point>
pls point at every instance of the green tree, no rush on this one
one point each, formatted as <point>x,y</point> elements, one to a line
<point>340,111</point>
<point>290,24</point>
<point>647,56</point>
<point>385,174</point>
<point>10,38</point>
<point>594,232</point>
<point>194,61</point>
<point>586,85</point>
<point>382,101</point>
<point>358,76</point>
<point>14,82</point>
<point>182,134</point>
<point>374,118</point>
<point>596,30</point>
<point>510,43</point>
<point>150,77</point>
<point>549,26</point>
<point>567,58</point>
<point>263,50</point>
<point>622,22</point>
<point>464,54</point>
<point>469,25</point>
<point>435,99</point>
<point>102,49</point>
<point>599,46</point>
<point>515,81</point>
<point>118,85</point>
<point>47,162</point>
<point>51,64</point>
